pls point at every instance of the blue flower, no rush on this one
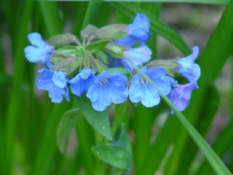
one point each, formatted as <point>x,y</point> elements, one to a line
<point>137,55</point>
<point>108,88</point>
<point>138,31</point>
<point>181,94</point>
<point>82,81</point>
<point>189,69</point>
<point>39,51</point>
<point>142,90</point>
<point>55,82</point>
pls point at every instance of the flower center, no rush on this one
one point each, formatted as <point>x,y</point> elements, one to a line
<point>103,81</point>
<point>142,80</point>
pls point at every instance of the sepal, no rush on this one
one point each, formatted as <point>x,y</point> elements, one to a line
<point>170,65</point>
<point>63,39</point>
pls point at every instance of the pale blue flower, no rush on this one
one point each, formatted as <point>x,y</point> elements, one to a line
<point>143,91</point>
<point>190,70</point>
<point>181,94</point>
<point>82,81</point>
<point>137,55</point>
<point>39,50</point>
<point>55,83</point>
<point>138,31</point>
<point>108,88</point>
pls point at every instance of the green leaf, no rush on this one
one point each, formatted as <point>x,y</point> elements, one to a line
<point>99,120</point>
<point>158,26</point>
<point>68,121</point>
<point>113,155</point>
<point>97,45</point>
<point>118,153</point>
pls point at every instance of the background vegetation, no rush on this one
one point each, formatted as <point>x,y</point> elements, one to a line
<point>161,145</point>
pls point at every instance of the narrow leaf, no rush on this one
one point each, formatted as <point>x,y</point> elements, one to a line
<point>68,121</point>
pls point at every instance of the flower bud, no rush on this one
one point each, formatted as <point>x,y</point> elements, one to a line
<point>170,65</point>
<point>63,39</point>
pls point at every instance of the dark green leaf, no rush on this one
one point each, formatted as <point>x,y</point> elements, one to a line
<point>99,120</point>
<point>68,121</point>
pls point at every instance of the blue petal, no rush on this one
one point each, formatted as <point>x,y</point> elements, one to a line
<point>150,97</point>
<point>60,79</point>
<point>189,69</point>
<point>33,54</point>
<point>140,28</point>
<point>128,41</point>
<point>114,90</point>
<point>81,82</point>
<point>44,81</point>
<point>36,39</point>
<point>181,95</point>
<point>137,55</point>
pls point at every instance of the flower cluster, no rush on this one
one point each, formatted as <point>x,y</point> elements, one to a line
<point>87,68</point>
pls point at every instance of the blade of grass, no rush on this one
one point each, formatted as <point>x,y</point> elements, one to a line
<point>222,40</point>
<point>15,95</point>
<point>48,149</point>
<point>86,141</point>
<point>188,152</point>
<point>52,20</point>
<point>220,146</point>
<point>92,9</point>
<point>158,26</point>
<point>212,157</point>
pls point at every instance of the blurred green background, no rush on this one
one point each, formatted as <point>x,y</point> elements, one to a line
<point>28,119</point>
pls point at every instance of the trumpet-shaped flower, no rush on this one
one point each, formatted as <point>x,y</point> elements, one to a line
<point>82,81</point>
<point>108,88</point>
<point>181,94</point>
<point>137,55</point>
<point>39,50</point>
<point>138,31</point>
<point>189,69</point>
<point>144,91</point>
<point>55,83</point>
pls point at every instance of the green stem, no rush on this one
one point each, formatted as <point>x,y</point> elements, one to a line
<point>212,157</point>
<point>118,116</point>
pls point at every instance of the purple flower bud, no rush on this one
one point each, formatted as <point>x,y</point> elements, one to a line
<point>108,88</point>
<point>39,51</point>
<point>82,81</point>
<point>142,90</point>
<point>189,69</point>
<point>55,82</point>
<point>181,95</point>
